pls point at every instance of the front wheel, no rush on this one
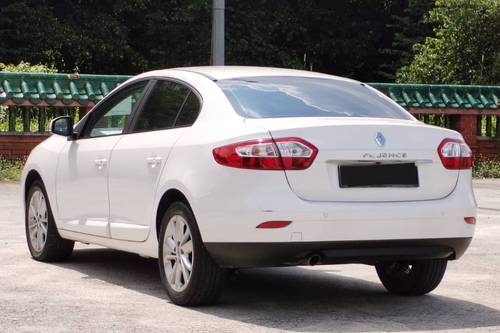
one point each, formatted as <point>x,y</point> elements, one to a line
<point>188,273</point>
<point>411,278</point>
<point>44,241</point>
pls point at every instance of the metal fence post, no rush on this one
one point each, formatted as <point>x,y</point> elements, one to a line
<point>488,125</point>
<point>497,134</point>
<point>479,125</point>
<point>26,119</point>
<point>12,118</point>
<point>41,120</point>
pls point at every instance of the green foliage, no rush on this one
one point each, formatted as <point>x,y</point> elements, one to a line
<point>130,36</point>
<point>486,168</point>
<point>408,27</point>
<point>27,68</point>
<point>365,39</point>
<point>10,170</point>
<point>465,48</point>
<point>337,37</point>
<point>108,37</point>
<point>4,111</point>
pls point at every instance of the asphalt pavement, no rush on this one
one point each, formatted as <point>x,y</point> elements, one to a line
<point>102,290</point>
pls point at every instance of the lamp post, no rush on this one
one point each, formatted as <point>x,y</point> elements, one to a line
<point>218,32</point>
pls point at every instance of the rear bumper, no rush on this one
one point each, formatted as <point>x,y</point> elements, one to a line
<point>234,218</point>
<point>336,252</point>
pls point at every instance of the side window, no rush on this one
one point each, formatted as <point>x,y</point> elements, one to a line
<point>162,107</point>
<point>112,118</point>
<point>189,112</point>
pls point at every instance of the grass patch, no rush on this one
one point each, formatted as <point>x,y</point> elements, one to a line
<point>11,170</point>
<point>486,168</point>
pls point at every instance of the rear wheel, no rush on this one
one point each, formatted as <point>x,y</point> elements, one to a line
<point>411,278</point>
<point>44,242</point>
<point>188,273</point>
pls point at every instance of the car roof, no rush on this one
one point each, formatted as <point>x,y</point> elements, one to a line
<point>230,72</point>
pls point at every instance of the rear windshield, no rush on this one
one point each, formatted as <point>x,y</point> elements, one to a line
<point>278,96</point>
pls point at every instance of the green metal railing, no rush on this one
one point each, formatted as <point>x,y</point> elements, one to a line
<point>440,120</point>
<point>32,120</point>
<point>438,103</point>
<point>442,96</point>
<point>488,126</point>
<point>50,89</point>
<point>29,101</point>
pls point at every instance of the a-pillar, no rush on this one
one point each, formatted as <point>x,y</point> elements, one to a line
<point>85,109</point>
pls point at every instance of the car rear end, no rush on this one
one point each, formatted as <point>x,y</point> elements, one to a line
<point>335,173</point>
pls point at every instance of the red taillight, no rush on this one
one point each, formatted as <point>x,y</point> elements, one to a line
<point>455,154</point>
<point>267,154</point>
<point>274,224</point>
<point>470,220</point>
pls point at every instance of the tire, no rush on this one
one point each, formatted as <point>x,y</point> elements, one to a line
<point>411,278</point>
<point>203,284</point>
<point>44,242</point>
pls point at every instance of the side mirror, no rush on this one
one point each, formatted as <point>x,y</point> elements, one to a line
<point>62,126</point>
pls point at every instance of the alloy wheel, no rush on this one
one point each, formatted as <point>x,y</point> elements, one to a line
<point>178,253</point>
<point>38,220</point>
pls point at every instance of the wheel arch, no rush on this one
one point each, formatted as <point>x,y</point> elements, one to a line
<point>31,177</point>
<point>169,197</point>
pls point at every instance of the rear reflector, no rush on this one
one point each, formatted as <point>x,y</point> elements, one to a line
<point>274,224</point>
<point>455,154</point>
<point>470,220</point>
<point>267,154</point>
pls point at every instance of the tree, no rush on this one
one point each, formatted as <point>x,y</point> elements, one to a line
<point>106,36</point>
<point>407,27</point>
<point>364,39</point>
<point>465,48</point>
<point>336,37</point>
<point>29,31</point>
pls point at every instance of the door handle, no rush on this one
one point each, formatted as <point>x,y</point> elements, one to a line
<point>100,163</point>
<point>154,161</point>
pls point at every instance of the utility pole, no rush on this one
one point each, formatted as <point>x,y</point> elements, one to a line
<point>218,32</point>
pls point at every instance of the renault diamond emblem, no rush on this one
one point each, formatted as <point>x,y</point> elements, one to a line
<point>380,139</point>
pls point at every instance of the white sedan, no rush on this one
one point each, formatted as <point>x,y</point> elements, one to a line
<point>214,168</point>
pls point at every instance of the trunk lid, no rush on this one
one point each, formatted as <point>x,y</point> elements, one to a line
<point>353,142</point>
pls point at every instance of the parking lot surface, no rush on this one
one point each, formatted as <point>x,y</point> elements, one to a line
<point>102,290</point>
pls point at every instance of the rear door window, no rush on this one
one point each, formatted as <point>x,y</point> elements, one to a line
<point>162,106</point>
<point>190,110</point>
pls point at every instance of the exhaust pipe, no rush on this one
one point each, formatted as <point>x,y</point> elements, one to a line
<point>313,259</point>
